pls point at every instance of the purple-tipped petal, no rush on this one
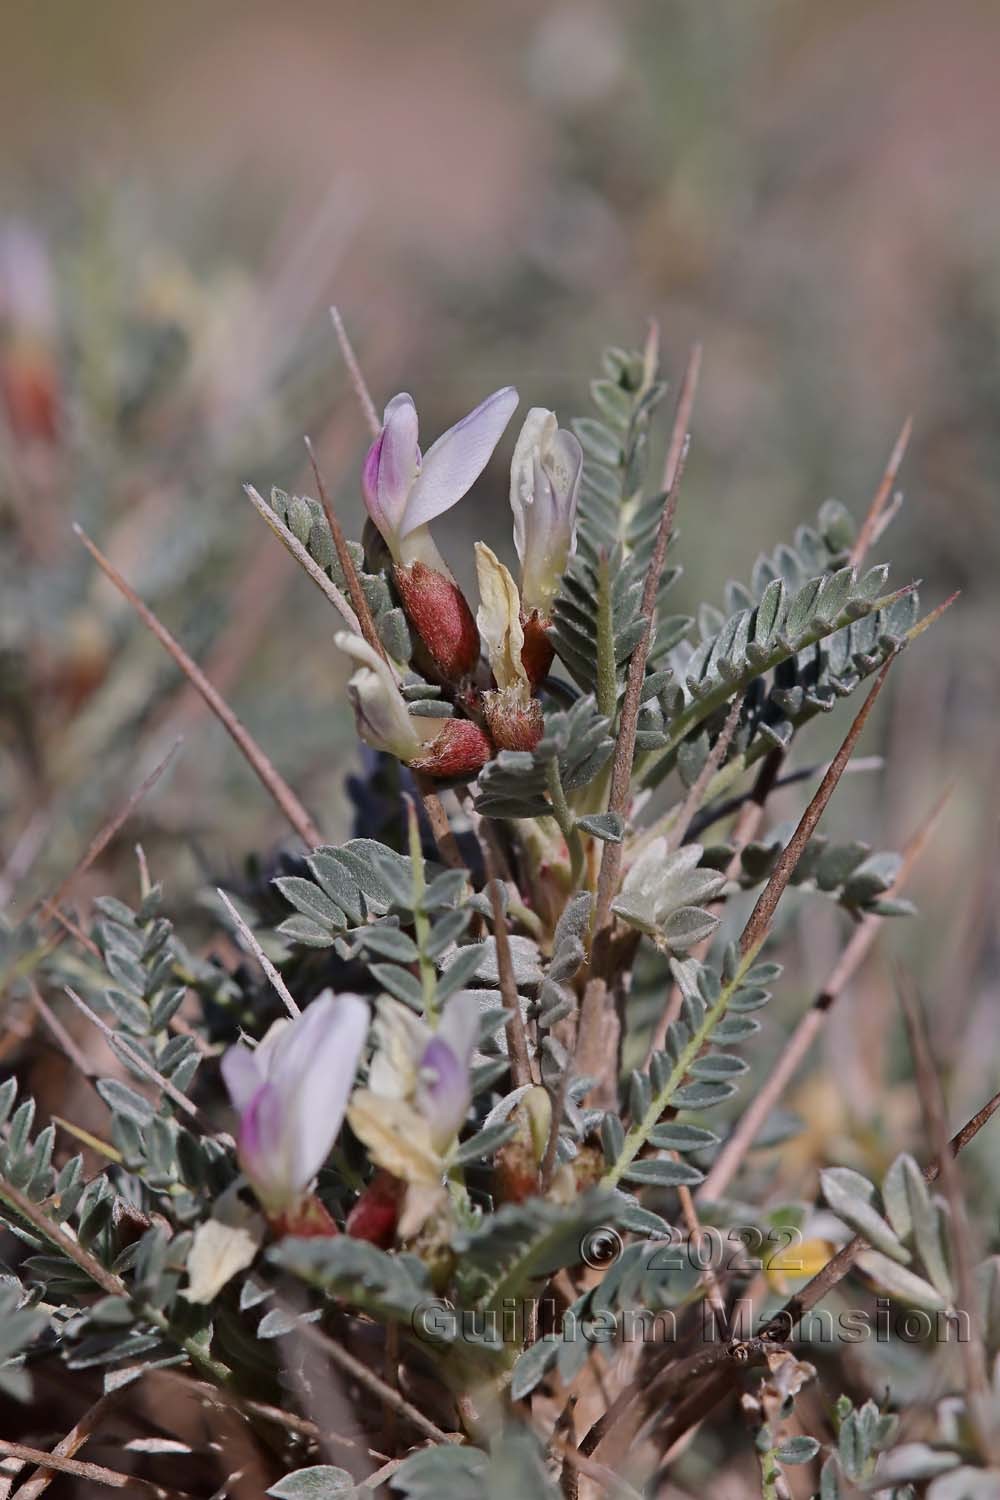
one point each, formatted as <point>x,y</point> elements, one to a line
<point>323,1087</point>
<point>369,475</point>
<point>263,1148</point>
<point>443,1093</point>
<point>460,1024</point>
<point>242,1075</point>
<point>457,459</point>
<point>292,1095</point>
<point>391,466</point>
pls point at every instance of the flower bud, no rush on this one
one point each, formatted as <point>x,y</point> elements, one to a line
<point>460,749</point>
<point>514,721</point>
<point>29,373</point>
<point>519,1159</point>
<point>375,1216</point>
<point>438,612</point>
<point>544,482</point>
<point>445,748</point>
<point>537,651</point>
<point>307,1220</point>
<point>29,392</point>
<point>418,1090</point>
<point>513,716</point>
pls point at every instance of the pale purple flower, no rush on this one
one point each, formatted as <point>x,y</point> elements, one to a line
<point>404,490</point>
<point>544,483</point>
<point>291,1094</point>
<point>444,1091</point>
<point>418,1091</point>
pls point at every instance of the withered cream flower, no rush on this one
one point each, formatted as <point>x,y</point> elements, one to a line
<point>499,620</point>
<point>444,748</point>
<point>418,1090</point>
<point>513,715</point>
<point>380,713</point>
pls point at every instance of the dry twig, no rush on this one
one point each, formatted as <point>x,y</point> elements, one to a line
<point>759,921</point>
<point>517,1044</point>
<point>67,1447</point>
<point>302,556</point>
<point>360,1372</point>
<point>595,999</point>
<point>279,985</point>
<point>875,522</point>
<point>727,1163</point>
<point>350,572</point>
<point>117,1041</point>
<point>268,775</point>
<point>354,370</point>
<point>96,1473</point>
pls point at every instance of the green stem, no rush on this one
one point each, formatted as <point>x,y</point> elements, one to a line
<point>527,918</point>
<point>564,817</point>
<point>421,921</point>
<point>607,676</point>
<point>639,1133</point>
<point>213,1369</point>
<point>770,1475</point>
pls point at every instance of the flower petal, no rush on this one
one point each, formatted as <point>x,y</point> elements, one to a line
<point>391,466</point>
<point>397,1138</point>
<point>457,459</point>
<point>544,484</point>
<point>380,715</point>
<point>262,1147</point>
<point>460,1024</point>
<point>443,1094</point>
<point>536,433</point>
<point>400,1039</point>
<point>316,1077</point>
<point>223,1245</point>
<point>499,619</point>
<point>242,1074</point>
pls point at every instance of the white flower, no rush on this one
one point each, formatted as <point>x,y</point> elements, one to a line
<point>380,713</point>
<point>544,482</point>
<point>445,748</point>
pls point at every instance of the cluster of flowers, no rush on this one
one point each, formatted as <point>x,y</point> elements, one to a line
<point>293,1090</point>
<point>404,492</point>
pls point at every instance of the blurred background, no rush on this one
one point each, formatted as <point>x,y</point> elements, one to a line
<point>491,194</point>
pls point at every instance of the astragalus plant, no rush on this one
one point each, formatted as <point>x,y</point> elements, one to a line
<point>460,1198</point>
